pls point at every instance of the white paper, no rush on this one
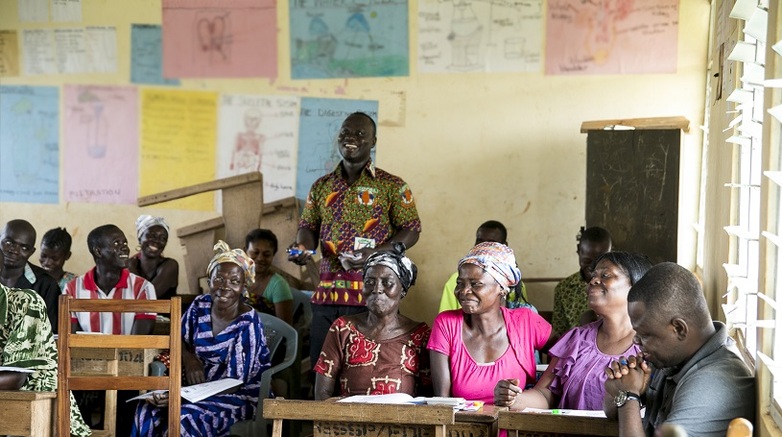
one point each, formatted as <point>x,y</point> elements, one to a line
<point>38,55</point>
<point>86,50</point>
<point>15,369</point>
<point>102,49</point>
<point>393,398</point>
<point>65,11</point>
<point>33,11</point>
<point>71,49</point>
<point>578,413</point>
<point>198,392</point>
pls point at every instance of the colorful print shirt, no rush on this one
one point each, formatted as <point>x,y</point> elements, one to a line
<point>570,301</point>
<point>375,206</point>
<point>364,366</point>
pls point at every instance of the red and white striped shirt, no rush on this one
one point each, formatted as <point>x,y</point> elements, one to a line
<point>129,286</point>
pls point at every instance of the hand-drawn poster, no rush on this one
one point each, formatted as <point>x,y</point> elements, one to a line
<point>477,35</point>
<point>66,11</point>
<point>319,125</point>
<point>9,53</point>
<point>38,54</point>
<point>178,143</point>
<point>612,36</point>
<point>29,144</point>
<point>260,133</point>
<point>33,11</point>
<point>348,38</point>
<point>100,140</point>
<point>146,56</point>
<point>219,38</point>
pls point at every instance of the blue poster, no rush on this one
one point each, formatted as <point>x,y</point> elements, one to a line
<point>319,124</point>
<point>146,56</point>
<point>348,38</point>
<point>29,144</point>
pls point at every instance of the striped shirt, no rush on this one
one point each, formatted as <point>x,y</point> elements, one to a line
<point>129,286</point>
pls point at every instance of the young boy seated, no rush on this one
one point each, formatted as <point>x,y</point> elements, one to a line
<point>55,250</point>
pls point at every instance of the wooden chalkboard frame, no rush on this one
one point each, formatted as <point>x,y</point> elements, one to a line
<point>632,190</point>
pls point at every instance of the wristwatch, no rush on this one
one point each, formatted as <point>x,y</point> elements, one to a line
<point>621,399</point>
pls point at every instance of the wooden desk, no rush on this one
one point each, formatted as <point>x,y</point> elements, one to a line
<point>538,425</point>
<point>381,420</point>
<point>27,413</point>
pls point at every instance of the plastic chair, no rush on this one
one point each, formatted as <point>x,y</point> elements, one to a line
<point>275,330</point>
<point>68,341</point>
<point>739,427</point>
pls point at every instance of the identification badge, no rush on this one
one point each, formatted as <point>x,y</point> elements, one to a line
<point>362,243</point>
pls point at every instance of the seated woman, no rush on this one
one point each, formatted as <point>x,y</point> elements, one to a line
<point>222,337</point>
<point>576,375</point>
<point>270,293</point>
<point>473,348</point>
<point>149,262</point>
<point>26,341</point>
<point>379,351</point>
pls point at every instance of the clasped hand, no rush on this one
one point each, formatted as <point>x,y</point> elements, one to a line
<point>630,374</point>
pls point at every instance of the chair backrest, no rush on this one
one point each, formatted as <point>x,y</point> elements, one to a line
<point>275,330</point>
<point>68,341</point>
<point>301,302</point>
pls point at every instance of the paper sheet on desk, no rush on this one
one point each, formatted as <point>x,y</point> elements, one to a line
<point>198,392</point>
<point>562,412</point>
<point>15,369</point>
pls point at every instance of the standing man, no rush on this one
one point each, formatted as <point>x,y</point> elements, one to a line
<point>689,372</point>
<point>352,212</point>
<point>110,279</point>
<point>17,242</point>
<point>570,298</point>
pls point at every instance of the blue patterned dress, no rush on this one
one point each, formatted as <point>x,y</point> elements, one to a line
<point>239,351</point>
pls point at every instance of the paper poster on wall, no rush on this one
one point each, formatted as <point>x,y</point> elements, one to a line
<point>146,55</point>
<point>33,11</point>
<point>260,133</point>
<point>66,11</point>
<point>101,49</point>
<point>100,141</point>
<point>9,53</point>
<point>471,35</point>
<point>612,37</point>
<point>29,144</point>
<point>38,54</point>
<point>178,143</point>
<point>337,38</point>
<point>319,124</point>
<point>219,38</point>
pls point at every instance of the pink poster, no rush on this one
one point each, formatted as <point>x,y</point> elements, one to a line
<point>219,38</point>
<point>612,36</point>
<point>100,158</point>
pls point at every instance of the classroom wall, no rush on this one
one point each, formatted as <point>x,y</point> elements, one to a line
<point>473,147</point>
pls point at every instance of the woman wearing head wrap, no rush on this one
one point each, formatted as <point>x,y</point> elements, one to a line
<point>149,262</point>
<point>473,348</point>
<point>379,351</point>
<point>222,337</point>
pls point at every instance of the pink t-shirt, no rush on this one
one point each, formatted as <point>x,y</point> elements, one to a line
<point>527,332</point>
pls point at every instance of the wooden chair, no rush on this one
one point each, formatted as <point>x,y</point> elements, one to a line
<point>67,342</point>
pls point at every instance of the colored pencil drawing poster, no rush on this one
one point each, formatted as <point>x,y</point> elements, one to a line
<point>146,56</point>
<point>178,144</point>
<point>612,37</point>
<point>29,144</point>
<point>219,38</point>
<point>319,125</point>
<point>100,135</point>
<point>260,133</point>
<point>471,35</point>
<point>336,38</point>
<point>9,53</point>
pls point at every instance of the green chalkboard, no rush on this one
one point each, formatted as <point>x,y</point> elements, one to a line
<point>633,189</point>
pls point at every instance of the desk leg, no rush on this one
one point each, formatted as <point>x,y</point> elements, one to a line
<point>439,431</point>
<point>277,428</point>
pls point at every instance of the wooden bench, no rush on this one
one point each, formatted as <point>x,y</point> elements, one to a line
<point>381,420</point>
<point>27,413</point>
<point>539,425</point>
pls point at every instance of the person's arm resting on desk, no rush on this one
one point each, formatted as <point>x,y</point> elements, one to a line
<point>441,373</point>
<point>632,379</point>
<point>12,380</point>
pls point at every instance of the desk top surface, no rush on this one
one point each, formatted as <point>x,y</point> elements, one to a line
<point>24,395</point>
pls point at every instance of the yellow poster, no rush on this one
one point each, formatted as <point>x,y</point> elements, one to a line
<point>178,135</point>
<point>9,53</point>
